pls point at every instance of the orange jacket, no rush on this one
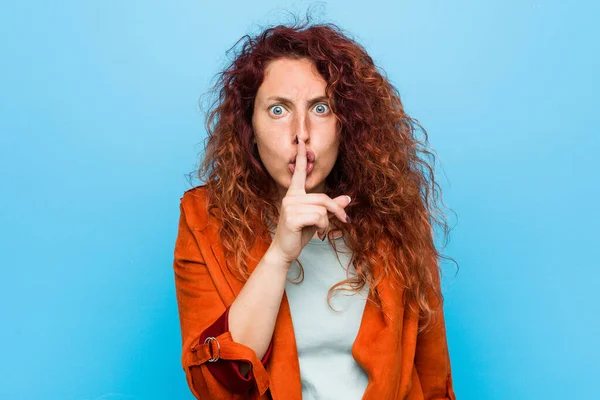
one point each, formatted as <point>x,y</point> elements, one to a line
<point>399,363</point>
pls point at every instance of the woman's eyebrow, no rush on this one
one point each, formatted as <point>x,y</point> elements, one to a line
<point>289,102</point>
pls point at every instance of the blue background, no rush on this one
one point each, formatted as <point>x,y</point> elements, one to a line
<point>100,123</point>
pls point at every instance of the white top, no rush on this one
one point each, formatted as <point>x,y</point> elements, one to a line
<point>324,337</point>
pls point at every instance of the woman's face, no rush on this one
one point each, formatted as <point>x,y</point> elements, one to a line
<point>291,101</point>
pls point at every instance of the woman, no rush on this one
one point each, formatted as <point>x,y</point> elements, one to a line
<point>307,142</point>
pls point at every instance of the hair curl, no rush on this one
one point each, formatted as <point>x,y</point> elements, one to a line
<point>382,164</point>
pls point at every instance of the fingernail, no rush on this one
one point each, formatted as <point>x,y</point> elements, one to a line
<point>349,199</point>
<point>296,139</point>
<point>347,218</point>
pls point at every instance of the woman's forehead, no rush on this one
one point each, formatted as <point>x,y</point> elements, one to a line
<point>292,79</point>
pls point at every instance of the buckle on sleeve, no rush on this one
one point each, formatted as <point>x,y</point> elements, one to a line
<point>213,358</point>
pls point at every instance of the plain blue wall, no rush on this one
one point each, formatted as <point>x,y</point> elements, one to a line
<point>99,124</point>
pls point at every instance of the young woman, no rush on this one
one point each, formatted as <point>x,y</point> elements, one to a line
<point>305,267</point>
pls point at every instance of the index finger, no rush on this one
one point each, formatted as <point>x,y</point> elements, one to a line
<point>297,186</point>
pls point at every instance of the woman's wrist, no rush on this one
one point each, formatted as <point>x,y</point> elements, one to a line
<point>275,258</point>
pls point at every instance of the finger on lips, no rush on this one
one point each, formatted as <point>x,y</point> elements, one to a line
<point>299,177</point>
<point>298,185</point>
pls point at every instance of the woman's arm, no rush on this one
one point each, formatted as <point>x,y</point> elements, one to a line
<point>253,313</point>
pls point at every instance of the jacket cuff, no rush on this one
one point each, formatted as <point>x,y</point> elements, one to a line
<point>227,371</point>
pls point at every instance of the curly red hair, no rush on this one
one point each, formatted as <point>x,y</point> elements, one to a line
<point>395,198</point>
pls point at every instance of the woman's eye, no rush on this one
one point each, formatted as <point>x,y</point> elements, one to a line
<point>277,110</point>
<point>321,108</point>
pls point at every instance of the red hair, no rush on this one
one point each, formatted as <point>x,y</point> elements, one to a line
<point>382,163</point>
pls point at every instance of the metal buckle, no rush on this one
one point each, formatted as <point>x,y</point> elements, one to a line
<point>208,339</point>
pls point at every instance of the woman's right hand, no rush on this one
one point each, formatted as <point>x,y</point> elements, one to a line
<point>302,214</point>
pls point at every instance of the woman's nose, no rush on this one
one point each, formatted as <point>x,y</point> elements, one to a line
<point>301,127</point>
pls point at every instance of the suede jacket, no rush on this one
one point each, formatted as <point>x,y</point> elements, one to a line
<point>399,363</point>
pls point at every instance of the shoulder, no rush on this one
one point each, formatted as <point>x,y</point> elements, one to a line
<point>195,194</point>
<point>195,207</point>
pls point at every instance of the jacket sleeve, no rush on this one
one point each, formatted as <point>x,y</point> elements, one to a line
<point>228,372</point>
<point>200,308</point>
<point>432,358</point>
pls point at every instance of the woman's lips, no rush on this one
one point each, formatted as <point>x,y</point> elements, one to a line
<point>310,157</point>
<point>309,167</point>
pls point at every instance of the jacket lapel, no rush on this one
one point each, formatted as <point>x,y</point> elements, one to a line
<point>376,344</point>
